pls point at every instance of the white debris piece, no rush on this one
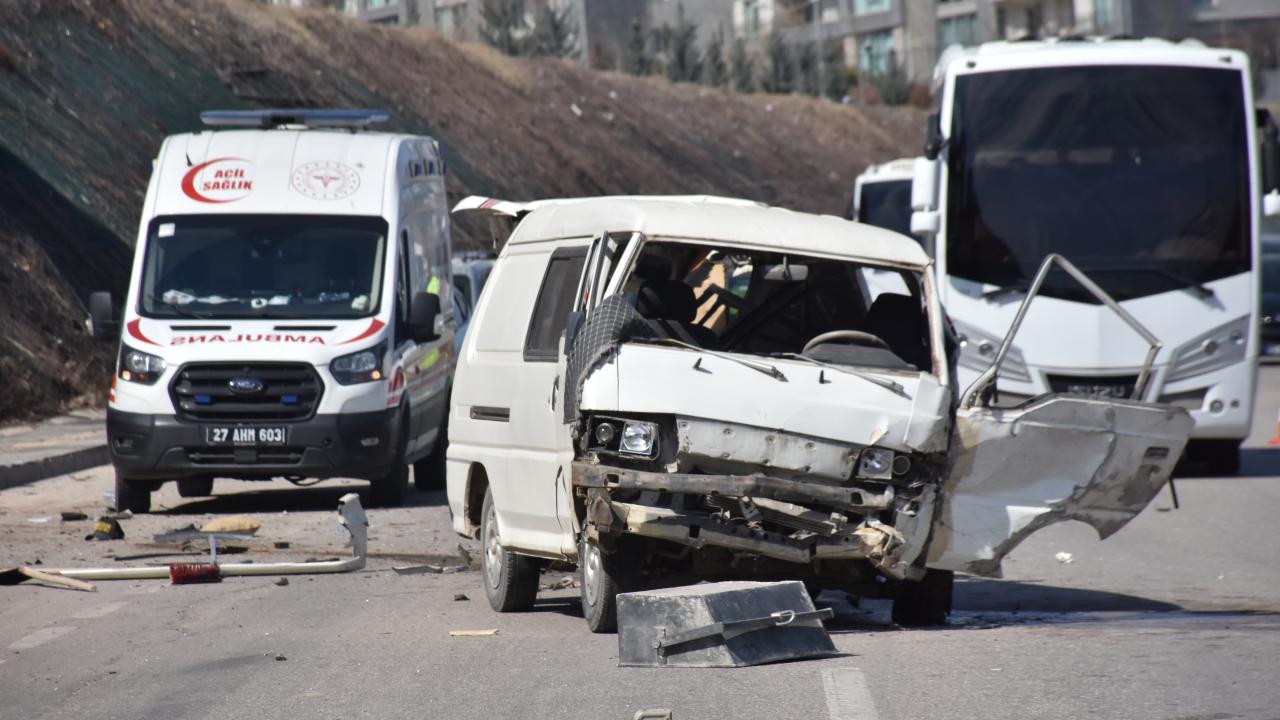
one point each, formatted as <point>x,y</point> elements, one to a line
<point>1065,558</point>
<point>576,110</point>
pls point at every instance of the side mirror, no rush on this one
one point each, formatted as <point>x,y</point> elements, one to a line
<point>934,142</point>
<point>1271,204</point>
<point>102,321</point>
<point>424,311</point>
<point>925,223</point>
<point>1269,156</point>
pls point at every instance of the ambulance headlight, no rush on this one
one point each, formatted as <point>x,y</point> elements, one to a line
<point>139,367</point>
<point>359,367</point>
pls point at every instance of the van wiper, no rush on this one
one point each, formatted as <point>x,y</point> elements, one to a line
<point>891,385</point>
<point>178,308</point>
<point>770,370</point>
<point>1020,286</point>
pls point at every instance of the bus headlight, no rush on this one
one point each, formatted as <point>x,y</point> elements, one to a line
<point>1216,349</point>
<point>978,350</point>
<point>139,367</point>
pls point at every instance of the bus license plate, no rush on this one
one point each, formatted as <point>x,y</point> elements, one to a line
<point>245,436</point>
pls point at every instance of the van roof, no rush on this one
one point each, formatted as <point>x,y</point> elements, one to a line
<point>727,220</point>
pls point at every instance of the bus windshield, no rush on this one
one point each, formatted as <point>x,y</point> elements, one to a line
<point>1139,175</point>
<point>886,204</point>
<point>263,266</point>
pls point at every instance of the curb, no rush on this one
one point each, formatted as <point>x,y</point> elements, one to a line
<point>29,472</point>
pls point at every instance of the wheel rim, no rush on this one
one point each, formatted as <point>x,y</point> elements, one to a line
<point>492,549</point>
<point>591,572</point>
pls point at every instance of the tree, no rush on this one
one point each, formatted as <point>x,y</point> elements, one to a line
<point>834,79</point>
<point>683,63</point>
<point>714,70</point>
<point>635,57</point>
<point>780,76</point>
<point>742,71</point>
<point>554,33</point>
<point>501,25</point>
<point>808,65</point>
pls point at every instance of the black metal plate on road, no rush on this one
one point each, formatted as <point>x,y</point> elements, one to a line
<point>245,436</point>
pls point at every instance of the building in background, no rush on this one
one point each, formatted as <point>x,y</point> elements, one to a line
<point>873,36</point>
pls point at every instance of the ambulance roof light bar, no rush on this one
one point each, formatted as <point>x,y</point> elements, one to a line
<point>352,119</point>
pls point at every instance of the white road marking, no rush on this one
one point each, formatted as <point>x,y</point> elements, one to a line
<point>847,695</point>
<point>40,637</point>
<point>98,611</point>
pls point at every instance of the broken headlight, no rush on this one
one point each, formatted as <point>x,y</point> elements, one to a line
<point>876,463</point>
<point>636,438</point>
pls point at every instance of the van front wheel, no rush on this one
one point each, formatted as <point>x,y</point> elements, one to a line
<point>510,579</point>
<point>603,577</point>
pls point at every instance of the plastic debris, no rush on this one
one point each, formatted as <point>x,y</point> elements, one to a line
<point>1064,557</point>
<point>70,515</point>
<point>473,633</point>
<point>107,528</point>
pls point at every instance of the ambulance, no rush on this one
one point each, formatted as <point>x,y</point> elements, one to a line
<point>289,312</point>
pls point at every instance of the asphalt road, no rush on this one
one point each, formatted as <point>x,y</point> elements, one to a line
<point>1176,617</point>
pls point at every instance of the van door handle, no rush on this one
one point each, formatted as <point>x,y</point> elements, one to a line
<point>555,387</point>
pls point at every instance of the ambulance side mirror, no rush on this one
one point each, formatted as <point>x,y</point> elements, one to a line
<point>423,311</point>
<point>103,323</point>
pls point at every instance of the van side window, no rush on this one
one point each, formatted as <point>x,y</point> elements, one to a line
<point>555,300</point>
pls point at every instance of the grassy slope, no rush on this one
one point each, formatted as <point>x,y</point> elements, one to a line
<point>89,88</point>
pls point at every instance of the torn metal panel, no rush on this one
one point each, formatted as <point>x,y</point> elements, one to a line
<point>1060,458</point>
<point>588,474</point>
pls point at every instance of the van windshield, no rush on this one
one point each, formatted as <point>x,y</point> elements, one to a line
<point>263,266</point>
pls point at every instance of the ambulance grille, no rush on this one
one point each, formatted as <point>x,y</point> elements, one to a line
<point>203,391</point>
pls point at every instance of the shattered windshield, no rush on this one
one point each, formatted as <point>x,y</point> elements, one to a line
<point>1138,175</point>
<point>779,304</point>
<point>263,266</point>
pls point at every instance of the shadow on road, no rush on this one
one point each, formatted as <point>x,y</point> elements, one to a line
<point>977,595</point>
<point>294,499</point>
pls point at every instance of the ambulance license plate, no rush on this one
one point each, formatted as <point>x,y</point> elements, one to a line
<point>242,436</point>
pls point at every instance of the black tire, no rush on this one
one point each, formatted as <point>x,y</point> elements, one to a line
<point>603,576</point>
<point>195,487</point>
<point>510,579</point>
<point>429,472</point>
<point>925,603</point>
<point>389,490</point>
<point>132,495</point>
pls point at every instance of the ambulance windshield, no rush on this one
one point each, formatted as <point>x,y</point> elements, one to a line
<point>263,266</point>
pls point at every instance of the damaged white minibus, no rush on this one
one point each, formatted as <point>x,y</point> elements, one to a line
<point>670,389</point>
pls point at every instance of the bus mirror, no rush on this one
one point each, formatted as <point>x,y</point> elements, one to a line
<point>1270,154</point>
<point>423,312</point>
<point>934,142</point>
<point>924,185</point>
<point>925,223</point>
<point>102,321</point>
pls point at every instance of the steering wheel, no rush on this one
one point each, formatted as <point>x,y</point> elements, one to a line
<point>857,337</point>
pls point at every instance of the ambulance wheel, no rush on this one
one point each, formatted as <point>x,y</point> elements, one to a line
<point>195,487</point>
<point>132,495</point>
<point>510,579</point>
<point>926,602</point>
<point>389,490</point>
<point>603,576</point>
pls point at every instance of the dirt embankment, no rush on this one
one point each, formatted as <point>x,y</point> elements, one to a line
<point>89,88</point>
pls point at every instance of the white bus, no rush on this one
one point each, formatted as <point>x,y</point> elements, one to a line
<point>1139,161</point>
<point>882,195</point>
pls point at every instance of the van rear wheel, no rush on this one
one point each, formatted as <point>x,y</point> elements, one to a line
<point>510,579</point>
<point>132,495</point>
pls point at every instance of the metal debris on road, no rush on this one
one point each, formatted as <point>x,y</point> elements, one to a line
<point>457,597</point>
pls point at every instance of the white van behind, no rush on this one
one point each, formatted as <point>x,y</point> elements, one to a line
<point>289,311</point>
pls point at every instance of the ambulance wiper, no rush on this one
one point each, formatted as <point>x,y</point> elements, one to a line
<point>178,308</point>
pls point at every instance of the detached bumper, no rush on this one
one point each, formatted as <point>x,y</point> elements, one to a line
<point>162,447</point>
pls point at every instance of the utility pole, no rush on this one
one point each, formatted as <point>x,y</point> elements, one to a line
<point>582,33</point>
<point>821,47</point>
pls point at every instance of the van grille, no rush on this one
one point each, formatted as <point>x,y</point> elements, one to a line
<point>202,391</point>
